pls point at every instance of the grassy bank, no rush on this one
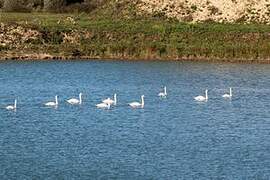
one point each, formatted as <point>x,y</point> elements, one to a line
<point>81,35</point>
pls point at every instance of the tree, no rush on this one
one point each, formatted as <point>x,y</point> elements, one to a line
<point>54,5</point>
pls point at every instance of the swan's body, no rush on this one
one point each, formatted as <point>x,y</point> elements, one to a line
<point>137,104</point>
<point>202,98</point>
<point>110,101</point>
<point>14,107</point>
<point>53,103</point>
<point>75,101</point>
<point>103,105</point>
<point>228,95</point>
<point>163,94</point>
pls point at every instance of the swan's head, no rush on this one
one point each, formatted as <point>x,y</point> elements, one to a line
<point>142,96</point>
<point>80,94</point>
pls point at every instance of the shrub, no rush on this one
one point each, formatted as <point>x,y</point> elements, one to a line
<point>35,3</point>
<point>54,5</point>
<point>73,1</point>
<point>213,10</point>
<point>79,7</point>
<point>1,3</point>
<point>15,5</point>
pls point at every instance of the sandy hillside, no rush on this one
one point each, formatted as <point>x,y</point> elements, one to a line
<point>205,10</point>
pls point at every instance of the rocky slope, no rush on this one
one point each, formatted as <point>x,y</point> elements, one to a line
<point>210,10</point>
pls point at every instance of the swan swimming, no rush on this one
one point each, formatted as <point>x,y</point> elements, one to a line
<point>163,94</point>
<point>103,105</point>
<point>74,101</point>
<point>202,98</point>
<point>55,104</point>
<point>14,107</point>
<point>137,104</point>
<point>110,101</point>
<point>228,95</point>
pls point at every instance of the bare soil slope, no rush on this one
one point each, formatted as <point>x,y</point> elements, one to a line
<point>210,10</point>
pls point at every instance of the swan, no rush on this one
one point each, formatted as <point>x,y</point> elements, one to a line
<point>53,103</point>
<point>110,101</point>
<point>74,101</point>
<point>103,105</point>
<point>202,98</point>
<point>14,107</point>
<point>137,104</point>
<point>163,94</point>
<point>228,95</point>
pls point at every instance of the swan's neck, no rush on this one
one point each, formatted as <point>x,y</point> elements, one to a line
<point>231,92</point>
<point>142,101</point>
<point>165,90</point>
<point>56,100</point>
<point>206,95</point>
<point>115,99</point>
<point>80,98</point>
<point>15,104</point>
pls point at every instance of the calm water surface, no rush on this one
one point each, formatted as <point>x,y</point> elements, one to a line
<point>173,138</point>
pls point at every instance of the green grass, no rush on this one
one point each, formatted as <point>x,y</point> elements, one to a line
<point>145,37</point>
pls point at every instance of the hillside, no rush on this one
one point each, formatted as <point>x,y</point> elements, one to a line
<point>209,10</point>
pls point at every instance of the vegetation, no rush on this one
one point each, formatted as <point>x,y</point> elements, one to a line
<point>58,6</point>
<point>94,36</point>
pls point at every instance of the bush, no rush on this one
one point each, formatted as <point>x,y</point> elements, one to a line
<point>79,7</point>
<point>54,5</point>
<point>1,3</point>
<point>15,5</point>
<point>34,4</point>
<point>21,5</point>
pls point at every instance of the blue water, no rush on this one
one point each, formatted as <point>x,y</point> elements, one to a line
<point>173,138</point>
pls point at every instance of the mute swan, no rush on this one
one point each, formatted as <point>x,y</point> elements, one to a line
<point>53,103</point>
<point>110,101</point>
<point>202,98</point>
<point>163,94</point>
<point>103,105</point>
<point>74,101</point>
<point>14,107</point>
<point>228,95</point>
<point>137,104</point>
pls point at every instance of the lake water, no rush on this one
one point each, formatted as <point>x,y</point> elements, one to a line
<point>172,138</point>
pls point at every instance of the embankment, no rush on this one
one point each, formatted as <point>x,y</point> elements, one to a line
<point>63,36</point>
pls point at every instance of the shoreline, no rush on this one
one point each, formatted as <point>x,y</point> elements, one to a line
<point>45,38</point>
<point>47,57</point>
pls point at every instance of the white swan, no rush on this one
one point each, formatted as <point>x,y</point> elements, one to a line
<point>202,98</point>
<point>53,103</point>
<point>163,94</point>
<point>14,107</point>
<point>228,95</point>
<point>103,105</point>
<point>74,101</point>
<point>137,104</point>
<point>110,101</point>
